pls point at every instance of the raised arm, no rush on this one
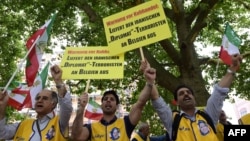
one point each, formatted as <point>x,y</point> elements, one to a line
<point>64,97</point>
<point>79,132</point>
<point>160,106</point>
<point>215,101</point>
<point>7,131</point>
<point>56,73</point>
<point>227,79</point>
<point>136,110</point>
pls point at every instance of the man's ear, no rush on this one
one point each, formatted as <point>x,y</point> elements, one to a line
<point>54,105</point>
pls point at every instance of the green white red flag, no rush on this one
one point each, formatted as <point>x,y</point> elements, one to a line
<point>35,55</point>
<point>38,86</point>
<point>17,96</point>
<point>230,44</point>
<point>93,110</point>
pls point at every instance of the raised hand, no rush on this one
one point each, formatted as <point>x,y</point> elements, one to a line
<point>144,65</point>
<point>236,60</point>
<point>83,100</point>
<point>56,73</point>
<point>150,75</point>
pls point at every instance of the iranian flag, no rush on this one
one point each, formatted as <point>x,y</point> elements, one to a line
<point>93,110</point>
<point>230,44</point>
<point>36,44</point>
<point>17,96</point>
<point>38,86</point>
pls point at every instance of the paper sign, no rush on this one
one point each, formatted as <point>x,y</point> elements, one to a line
<point>91,63</point>
<point>136,27</point>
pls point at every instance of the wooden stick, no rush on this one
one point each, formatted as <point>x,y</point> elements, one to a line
<point>87,85</point>
<point>20,65</point>
<point>142,55</point>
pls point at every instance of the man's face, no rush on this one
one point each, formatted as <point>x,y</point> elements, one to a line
<point>109,105</point>
<point>185,98</point>
<point>44,103</point>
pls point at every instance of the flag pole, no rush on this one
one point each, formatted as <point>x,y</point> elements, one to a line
<point>87,86</point>
<point>216,71</point>
<point>20,65</point>
<point>142,55</point>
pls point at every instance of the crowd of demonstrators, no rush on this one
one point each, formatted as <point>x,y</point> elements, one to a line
<point>220,125</point>
<point>110,127</point>
<point>200,128</point>
<point>47,125</point>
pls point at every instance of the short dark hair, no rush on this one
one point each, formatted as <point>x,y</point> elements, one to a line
<point>113,92</point>
<point>54,96</point>
<point>182,86</point>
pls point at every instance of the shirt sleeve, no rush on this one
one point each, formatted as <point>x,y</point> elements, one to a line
<point>66,109</point>
<point>129,126</point>
<point>215,102</point>
<point>88,126</point>
<point>164,112</point>
<point>7,131</point>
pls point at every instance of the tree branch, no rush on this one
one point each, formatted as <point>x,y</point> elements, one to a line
<point>93,17</point>
<point>162,73</point>
<point>169,13</point>
<point>214,61</point>
<point>171,51</point>
<point>244,4</point>
<point>204,7</point>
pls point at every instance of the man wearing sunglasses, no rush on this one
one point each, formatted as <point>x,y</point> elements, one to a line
<point>47,126</point>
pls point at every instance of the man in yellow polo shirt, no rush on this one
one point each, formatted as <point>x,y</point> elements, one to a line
<point>48,126</point>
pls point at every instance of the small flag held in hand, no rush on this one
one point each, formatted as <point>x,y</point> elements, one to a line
<point>230,44</point>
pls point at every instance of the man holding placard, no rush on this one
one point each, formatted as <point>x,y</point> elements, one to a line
<point>110,127</point>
